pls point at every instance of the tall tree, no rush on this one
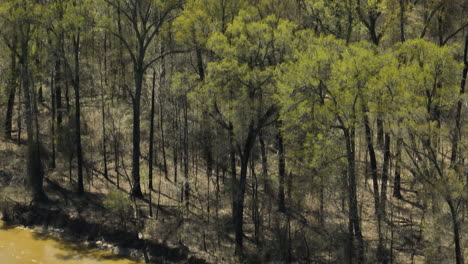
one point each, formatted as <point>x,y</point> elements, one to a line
<point>24,17</point>
<point>12,84</point>
<point>249,52</point>
<point>144,21</point>
<point>429,92</point>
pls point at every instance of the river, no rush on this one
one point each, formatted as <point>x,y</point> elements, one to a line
<point>22,246</point>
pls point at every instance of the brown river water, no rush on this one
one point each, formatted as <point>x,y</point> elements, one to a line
<point>22,246</point>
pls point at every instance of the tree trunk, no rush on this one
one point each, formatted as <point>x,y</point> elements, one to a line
<point>373,162</point>
<point>136,189</point>
<point>458,116</point>
<point>397,179</point>
<point>239,205</point>
<point>186,155</point>
<point>240,190</point>
<point>456,232</point>
<point>116,156</point>
<point>385,174</point>
<point>281,167</point>
<point>76,84</point>
<point>52,121</point>
<point>163,141</point>
<point>103,124</point>
<point>234,184</point>
<point>175,143</point>
<point>402,20</point>
<point>34,167</point>
<point>382,254</point>
<point>151,139</point>
<point>58,90</point>
<point>12,83</point>
<point>218,235</point>
<point>354,228</point>
<point>265,177</point>
<point>255,207</point>
<point>19,119</point>
<point>161,118</point>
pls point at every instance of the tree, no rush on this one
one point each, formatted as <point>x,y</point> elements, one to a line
<point>72,18</point>
<point>145,19</point>
<point>249,52</point>
<point>24,17</point>
<point>13,77</point>
<point>328,86</point>
<point>428,93</point>
<point>335,18</point>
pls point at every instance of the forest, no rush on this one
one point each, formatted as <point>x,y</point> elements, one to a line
<point>240,131</point>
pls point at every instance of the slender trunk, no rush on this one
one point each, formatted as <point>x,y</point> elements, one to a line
<point>186,155</point>
<point>255,209</point>
<point>120,53</point>
<point>234,184</point>
<point>266,180</point>
<point>34,168</point>
<point>239,204</point>
<point>458,115</point>
<point>76,84</point>
<point>440,27</point>
<point>175,146</point>
<point>218,235</point>
<point>151,139</point>
<point>136,189</point>
<point>397,179</point>
<point>373,160</point>
<point>239,194</point>
<point>58,90</point>
<point>67,97</point>
<point>116,161</point>
<point>40,95</point>
<point>373,165</point>
<point>174,154</point>
<point>12,83</point>
<point>161,116</point>
<point>19,118</point>
<point>52,121</point>
<point>200,66</point>
<point>103,124</point>
<point>281,167</point>
<point>380,132</point>
<point>354,228</point>
<point>322,201</point>
<point>385,174</point>
<point>159,196</point>
<point>9,112</point>
<point>163,141</point>
<point>456,232</point>
<point>402,20</point>
<point>382,254</point>
<point>181,139</point>
<point>349,30</point>
<point>209,162</point>
<point>163,144</point>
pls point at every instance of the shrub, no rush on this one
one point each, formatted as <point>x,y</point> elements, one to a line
<point>119,204</point>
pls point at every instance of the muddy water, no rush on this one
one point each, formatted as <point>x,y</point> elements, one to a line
<point>22,246</point>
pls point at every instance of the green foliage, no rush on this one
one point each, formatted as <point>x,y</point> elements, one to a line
<point>242,81</point>
<point>200,19</point>
<point>119,204</point>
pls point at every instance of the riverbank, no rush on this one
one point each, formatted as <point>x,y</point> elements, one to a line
<point>98,229</point>
<point>19,245</point>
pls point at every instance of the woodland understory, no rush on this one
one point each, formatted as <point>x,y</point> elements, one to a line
<point>246,131</point>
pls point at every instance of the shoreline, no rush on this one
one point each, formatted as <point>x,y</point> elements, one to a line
<point>53,221</point>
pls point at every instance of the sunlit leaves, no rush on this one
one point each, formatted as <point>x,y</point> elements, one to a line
<point>243,79</point>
